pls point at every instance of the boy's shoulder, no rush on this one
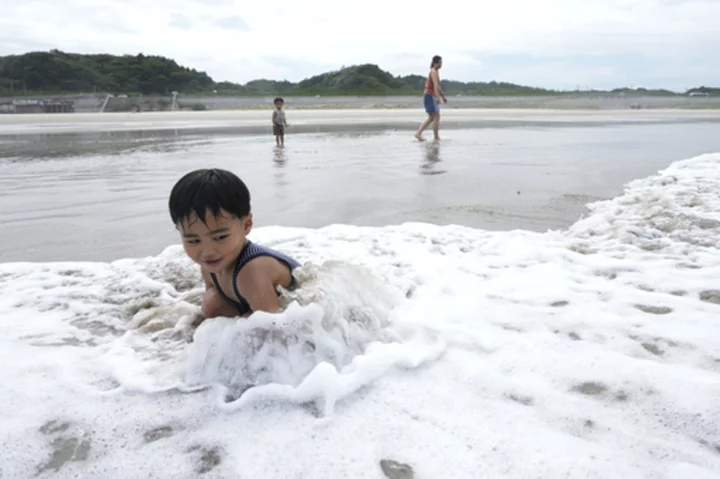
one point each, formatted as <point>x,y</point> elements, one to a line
<point>252,251</point>
<point>258,265</point>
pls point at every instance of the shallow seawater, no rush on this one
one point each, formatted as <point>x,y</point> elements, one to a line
<point>409,350</point>
<point>103,196</point>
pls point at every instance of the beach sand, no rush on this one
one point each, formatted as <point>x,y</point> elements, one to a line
<point>455,316</point>
<point>253,121</point>
<point>101,180</point>
<point>579,101</point>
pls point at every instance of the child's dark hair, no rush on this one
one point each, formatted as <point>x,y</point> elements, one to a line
<point>435,59</point>
<point>206,190</point>
<point>278,99</point>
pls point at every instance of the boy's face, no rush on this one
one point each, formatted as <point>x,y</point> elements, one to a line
<point>278,105</point>
<point>215,244</point>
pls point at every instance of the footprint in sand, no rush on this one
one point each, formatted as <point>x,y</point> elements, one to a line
<point>69,443</point>
<point>210,457</point>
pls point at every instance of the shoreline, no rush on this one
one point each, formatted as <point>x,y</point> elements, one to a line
<point>319,120</point>
<point>85,103</point>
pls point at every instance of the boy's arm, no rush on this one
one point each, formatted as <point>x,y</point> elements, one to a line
<point>257,283</point>
<point>274,115</point>
<point>206,277</point>
<point>205,312</point>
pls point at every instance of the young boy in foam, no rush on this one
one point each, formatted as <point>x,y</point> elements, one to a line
<point>211,210</point>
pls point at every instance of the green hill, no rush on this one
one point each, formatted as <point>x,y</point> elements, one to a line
<point>357,79</point>
<point>712,91</point>
<point>57,72</point>
<point>643,92</point>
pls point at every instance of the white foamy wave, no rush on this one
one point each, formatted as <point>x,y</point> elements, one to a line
<point>673,209</point>
<point>313,352</point>
<point>591,352</point>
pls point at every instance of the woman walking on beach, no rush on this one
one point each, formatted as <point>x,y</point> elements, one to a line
<point>433,94</point>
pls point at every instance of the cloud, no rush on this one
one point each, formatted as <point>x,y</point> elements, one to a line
<point>180,21</point>
<point>232,23</point>
<point>554,43</point>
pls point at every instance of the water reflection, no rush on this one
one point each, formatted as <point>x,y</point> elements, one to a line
<point>279,156</point>
<point>41,145</point>
<point>431,159</point>
<point>279,162</point>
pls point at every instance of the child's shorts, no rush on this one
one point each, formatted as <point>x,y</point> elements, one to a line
<point>278,129</point>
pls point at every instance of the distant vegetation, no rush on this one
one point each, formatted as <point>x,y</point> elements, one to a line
<point>57,72</point>
<point>704,89</point>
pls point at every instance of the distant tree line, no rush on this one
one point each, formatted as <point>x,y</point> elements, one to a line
<point>56,71</point>
<point>59,72</point>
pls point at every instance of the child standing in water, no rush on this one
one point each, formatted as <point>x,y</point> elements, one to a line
<point>211,210</point>
<point>431,99</point>
<point>279,122</point>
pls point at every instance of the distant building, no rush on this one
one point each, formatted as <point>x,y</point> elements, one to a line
<point>38,106</point>
<point>27,106</point>
<point>59,106</point>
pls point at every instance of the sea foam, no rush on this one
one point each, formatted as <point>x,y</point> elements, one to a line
<point>588,352</point>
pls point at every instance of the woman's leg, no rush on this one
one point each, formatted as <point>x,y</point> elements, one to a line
<point>430,109</point>
<point>424,125</point>
<point>436,125</point>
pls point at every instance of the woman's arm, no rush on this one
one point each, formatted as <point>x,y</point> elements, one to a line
<point>438,89</point>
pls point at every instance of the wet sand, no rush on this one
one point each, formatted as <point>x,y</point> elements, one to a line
<point>93,193</point>
<point>303,121</point>
<point>577,101</point>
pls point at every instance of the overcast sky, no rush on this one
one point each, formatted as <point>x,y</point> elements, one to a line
<point>551,43</point>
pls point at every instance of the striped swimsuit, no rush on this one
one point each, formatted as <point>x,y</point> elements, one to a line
<point>249,252</point>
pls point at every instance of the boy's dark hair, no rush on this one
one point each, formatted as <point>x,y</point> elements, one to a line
<point>208,189</point>
<point>278,99</point>
<point>435,59</point>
